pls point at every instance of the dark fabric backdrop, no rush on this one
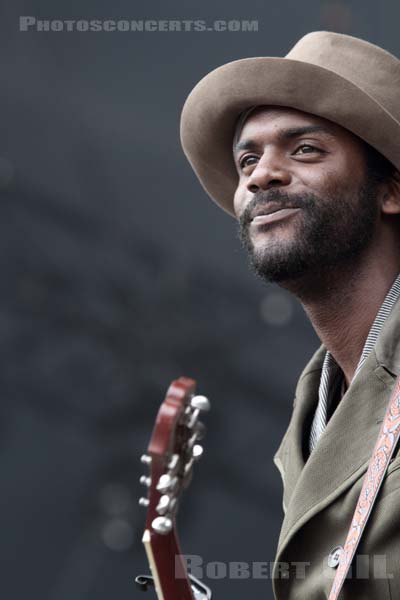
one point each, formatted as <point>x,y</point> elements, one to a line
<point>119,274</point>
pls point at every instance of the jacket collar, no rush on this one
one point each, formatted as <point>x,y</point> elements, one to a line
<point>344,450</point>
<point>387,348</point>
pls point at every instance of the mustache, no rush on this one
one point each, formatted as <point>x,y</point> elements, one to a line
<point>262,199</point>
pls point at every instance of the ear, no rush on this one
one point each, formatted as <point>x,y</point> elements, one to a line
<point>390,203</point>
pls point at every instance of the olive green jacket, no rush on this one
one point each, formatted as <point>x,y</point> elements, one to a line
<point>320,494</point>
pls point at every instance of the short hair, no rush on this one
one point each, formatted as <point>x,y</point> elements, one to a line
<point>379,168</point>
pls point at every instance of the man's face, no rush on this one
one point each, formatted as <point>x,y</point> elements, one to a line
<point>309,175</point>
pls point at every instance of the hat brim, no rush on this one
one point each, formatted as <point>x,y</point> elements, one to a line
<point>211,111</point>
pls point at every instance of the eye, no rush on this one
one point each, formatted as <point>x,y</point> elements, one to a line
<point>307,149</point>
<point>246,161</point>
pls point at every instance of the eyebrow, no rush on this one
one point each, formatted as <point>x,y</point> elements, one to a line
<point>286,134</point>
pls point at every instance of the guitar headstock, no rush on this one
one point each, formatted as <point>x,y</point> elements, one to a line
<point>172,451</point>
<point>170,457</point>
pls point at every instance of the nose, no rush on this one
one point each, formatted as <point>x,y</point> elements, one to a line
<point>269,172</point>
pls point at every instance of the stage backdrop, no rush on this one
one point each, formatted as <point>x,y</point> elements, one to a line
<point>119,275</point>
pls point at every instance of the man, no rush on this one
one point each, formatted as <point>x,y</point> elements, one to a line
<point>304,151</point>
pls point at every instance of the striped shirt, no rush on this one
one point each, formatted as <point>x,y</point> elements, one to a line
<point>332,374</point>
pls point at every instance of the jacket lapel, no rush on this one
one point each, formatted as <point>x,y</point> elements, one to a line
<point>289,457</point>
<point>344,450</point>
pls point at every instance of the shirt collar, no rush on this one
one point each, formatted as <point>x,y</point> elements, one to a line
<point>374,335</point>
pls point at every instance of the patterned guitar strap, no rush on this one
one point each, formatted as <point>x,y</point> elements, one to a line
<point>383,451</point>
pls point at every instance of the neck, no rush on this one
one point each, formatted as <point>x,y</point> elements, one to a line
<point>342,304</point>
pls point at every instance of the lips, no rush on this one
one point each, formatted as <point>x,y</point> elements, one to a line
<point>275,215</point>
<point>268,210</point>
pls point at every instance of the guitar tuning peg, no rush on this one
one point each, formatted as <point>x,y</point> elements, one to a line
<point>163,504</point>
<point>145,480</point>
<point>191,442</point>
<point>198,404</point>
<point>197,451</point>
<point>173,464</point>
<point>145,459</point>
<point>162,525</point>
<point>200,430</point>
<point>167,483</point>
<point>188,467</point>
<point>164,483</point>
<point>201,403</point>
<point>144,502</point>
<point>167,504</point>
<point>192,420</point>
<point>173,507</point>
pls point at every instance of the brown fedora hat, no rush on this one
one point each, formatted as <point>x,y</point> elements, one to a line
<point>338,77</point>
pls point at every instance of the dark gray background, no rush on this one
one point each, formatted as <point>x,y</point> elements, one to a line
<point>119,274</point>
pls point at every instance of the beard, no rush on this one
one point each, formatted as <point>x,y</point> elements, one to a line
<point>328,232</point>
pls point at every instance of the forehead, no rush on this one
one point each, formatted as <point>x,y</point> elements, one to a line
<point>273,120</point>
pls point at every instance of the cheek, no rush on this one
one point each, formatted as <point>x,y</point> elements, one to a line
<point>239,201</point>
<point>331,182</point>
<point>346,175</point>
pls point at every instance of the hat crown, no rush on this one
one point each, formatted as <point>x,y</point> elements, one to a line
<point>333,76</point>
<point>371,68</point>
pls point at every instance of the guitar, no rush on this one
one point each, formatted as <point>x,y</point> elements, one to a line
<point>170,457</point>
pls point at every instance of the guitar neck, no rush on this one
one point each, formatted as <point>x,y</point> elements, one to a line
<point>169,572</point>
<point>170,457</point>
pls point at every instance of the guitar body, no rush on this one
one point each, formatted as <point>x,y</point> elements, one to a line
<point>172,451</point>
